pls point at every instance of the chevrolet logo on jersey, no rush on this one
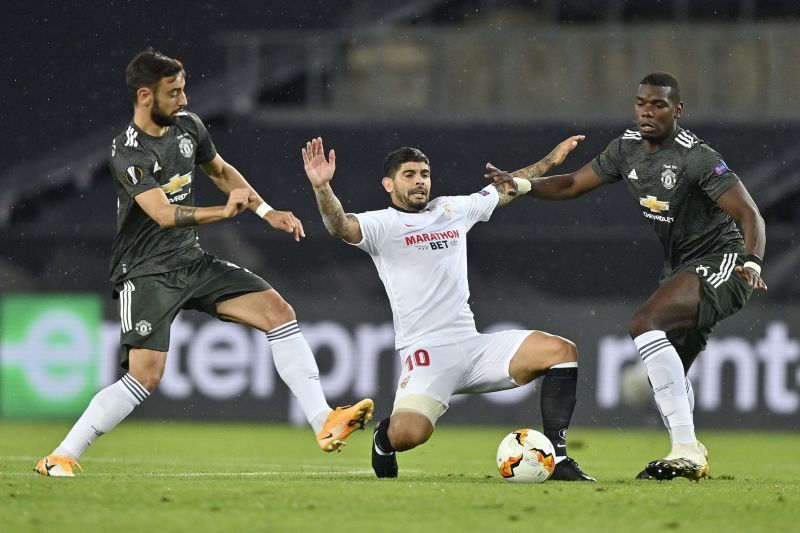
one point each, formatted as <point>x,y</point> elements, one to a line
<point>176,185</point>
<point>654,204</point>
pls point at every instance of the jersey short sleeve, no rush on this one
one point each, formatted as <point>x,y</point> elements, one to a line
<point>607,164</point>
<point>714,176</point>
<point>134,170</point>
<point>374,229</point>
<point>206,151</point>
<point>478,206</point>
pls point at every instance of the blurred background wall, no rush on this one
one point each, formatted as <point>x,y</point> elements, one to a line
<point>465,81</point>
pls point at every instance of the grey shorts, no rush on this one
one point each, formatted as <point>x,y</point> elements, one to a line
<point>149,304</point>
<point>724,294</point>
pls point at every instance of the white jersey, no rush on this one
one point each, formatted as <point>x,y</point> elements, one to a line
<point>422,260</point>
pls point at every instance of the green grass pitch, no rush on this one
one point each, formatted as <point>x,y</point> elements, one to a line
<point>169,476</point>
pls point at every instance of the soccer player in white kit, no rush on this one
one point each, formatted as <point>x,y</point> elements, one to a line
<point>419,248</point>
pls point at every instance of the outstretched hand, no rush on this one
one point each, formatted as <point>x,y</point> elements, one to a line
<point>752,278</point>
<point>505,180</point>
<point>285,221</point>
<point>560,152</point>
<point>502,180</point>
<point>318,169</point>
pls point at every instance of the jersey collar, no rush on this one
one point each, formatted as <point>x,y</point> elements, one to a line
<point>402,210</point>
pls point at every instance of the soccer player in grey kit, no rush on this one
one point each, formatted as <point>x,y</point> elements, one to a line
<point>713,238</point>
<point>158,267</point>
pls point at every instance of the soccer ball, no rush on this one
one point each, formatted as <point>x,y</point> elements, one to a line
<point>526,456</point>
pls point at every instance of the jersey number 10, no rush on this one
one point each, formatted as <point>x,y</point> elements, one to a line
<point>420,358</point>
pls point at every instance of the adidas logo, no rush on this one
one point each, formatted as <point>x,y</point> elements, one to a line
<point>131,135</point>
<point>685,139</point>
<point>632,175</point>
<point>632,135</point>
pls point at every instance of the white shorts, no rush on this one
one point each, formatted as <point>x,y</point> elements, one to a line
<point>477,363</point>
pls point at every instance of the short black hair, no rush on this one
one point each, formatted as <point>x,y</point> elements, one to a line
<point>148,68</point>
<point>402,155</point>
<point>664,79</point>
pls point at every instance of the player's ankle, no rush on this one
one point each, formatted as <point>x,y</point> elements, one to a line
<point>686,450</point>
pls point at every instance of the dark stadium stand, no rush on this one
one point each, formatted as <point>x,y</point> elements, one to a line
<point>369,78</point>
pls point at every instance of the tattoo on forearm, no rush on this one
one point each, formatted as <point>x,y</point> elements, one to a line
<point>333,215</point>
<point>537,169</point>
<point>184,216</point>
<point>505,198</point>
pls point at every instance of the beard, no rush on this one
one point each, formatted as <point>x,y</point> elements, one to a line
<point>417,205</point>
<point>159,117</point>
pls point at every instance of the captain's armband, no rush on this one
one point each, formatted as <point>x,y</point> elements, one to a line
<point>185,216</point>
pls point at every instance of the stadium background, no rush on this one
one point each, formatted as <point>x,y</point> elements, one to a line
<point>465,81</point>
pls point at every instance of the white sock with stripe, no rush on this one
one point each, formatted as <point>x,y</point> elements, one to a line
<point>725,269</point>
<point>665,370</point>
<point>108,408</point>
<point>690,395</point>
<point>298,369</point>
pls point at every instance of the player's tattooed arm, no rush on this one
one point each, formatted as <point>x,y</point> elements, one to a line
<point>512,183</point>
<point>537,169</point>
<point>556,156</point>
<point>185,216</point>
<point>319,170</point>
<point>337,222</point>
<point>506,193</point>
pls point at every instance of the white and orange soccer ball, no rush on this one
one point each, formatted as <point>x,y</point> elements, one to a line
<point>526,456</point>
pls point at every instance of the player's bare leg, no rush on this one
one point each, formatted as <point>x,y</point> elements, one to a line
<point>404,430</point>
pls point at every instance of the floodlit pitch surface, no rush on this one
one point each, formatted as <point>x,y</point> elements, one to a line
<point>167,476</point>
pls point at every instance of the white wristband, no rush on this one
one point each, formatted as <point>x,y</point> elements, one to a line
<point>263,209</point>
<point>752,265</point>
<point>523,186</point>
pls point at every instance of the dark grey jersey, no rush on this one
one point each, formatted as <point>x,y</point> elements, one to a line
<point>140,162</point>
<point>676,188</point>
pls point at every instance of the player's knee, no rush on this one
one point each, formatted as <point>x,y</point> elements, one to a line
<point>641,322</point>
<point>407,436</point>
<point>559,350</point>
<point>150,382</point>
<point>150,376</point>
<point>542,352</point>
<point>280,312</point>
<point>147,367</point>
<point>567,350</point>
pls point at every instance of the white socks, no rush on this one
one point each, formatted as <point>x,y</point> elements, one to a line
<point>293,360</point>
<point>298,369</point>
<point>690,393</point>
<point>108,408</point>
<point>665,370</point>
